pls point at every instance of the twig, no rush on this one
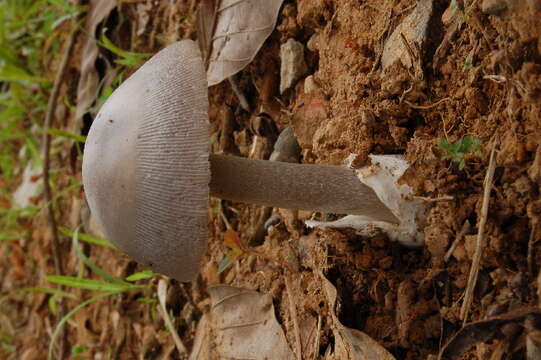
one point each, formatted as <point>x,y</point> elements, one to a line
<point>409,50</point>
<point>240,95</point>
<point>414,57</point>
<point>496,78</point>
<point>531,243</point>
<point>162,292</point>
<point>46,141</point>
<point>316,346</point>
<point>481,239</point>
<point>46,149</point>
<point>293,311</point>
<point>436,199</point>
<point>425,107</point>
<point>465,228</point>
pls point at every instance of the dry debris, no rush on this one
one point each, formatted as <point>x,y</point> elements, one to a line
<point>376,78</point>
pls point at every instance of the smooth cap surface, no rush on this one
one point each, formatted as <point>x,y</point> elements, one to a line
<point>145,165</point>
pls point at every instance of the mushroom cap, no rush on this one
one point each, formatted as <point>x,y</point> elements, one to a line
<point>145,164</point>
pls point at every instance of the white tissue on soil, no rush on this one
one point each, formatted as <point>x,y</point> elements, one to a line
<point>382,177</point>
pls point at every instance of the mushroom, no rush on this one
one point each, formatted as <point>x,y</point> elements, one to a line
<point>147,169</point>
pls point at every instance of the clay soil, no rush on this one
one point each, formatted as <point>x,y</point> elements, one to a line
<point>479,78</point>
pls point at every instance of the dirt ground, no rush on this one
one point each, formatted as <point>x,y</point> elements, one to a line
<point>480,77</point>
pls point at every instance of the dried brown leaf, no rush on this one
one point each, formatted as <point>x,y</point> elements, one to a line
<point>309,336</point>
<point>206,19</point>
<point>351,344</point>
<point>533,345</point>
<point>242,326</point>
<point>87,88</point>
<point>485,330</point>
<point>201,345</point>
<point>232,32</point>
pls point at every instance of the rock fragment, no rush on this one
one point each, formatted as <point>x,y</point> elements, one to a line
<point>413,29</point>
<point>493,7</point>
<point>293,64</point>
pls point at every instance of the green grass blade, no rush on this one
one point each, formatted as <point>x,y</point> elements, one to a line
<point>95,268</point>
<point>87,238</point>
<point>67,135</point>
<point>89,284</point>
<point>142,275</point>
<point>63,321</point>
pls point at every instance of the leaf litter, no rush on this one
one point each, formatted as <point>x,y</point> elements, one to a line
<point>232,32</point>
<point>404,300</point>
<point>241,325</point>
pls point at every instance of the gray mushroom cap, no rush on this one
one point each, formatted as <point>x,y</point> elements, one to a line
<point>145,164</point>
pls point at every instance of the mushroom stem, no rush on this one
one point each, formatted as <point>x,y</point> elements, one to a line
<point>323,188</point>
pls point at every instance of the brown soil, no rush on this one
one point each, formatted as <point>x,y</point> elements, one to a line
<point>408,300</point>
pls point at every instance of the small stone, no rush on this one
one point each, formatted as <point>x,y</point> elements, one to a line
<point>273,220</point>
<point>310,84</point>
<point>313,43</point>
<point>293,65</point>
<point>414,29</point>
<point>534,172</point>
<point>493,7</point>
<point>286,148</point>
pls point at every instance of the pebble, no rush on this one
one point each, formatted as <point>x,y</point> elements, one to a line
<point>286,148</point>
<point>293,65</point>
<point>493,7</point>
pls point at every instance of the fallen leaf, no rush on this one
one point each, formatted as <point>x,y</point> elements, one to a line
<point>206,19</point>
<point>485,330</point>
<point>533,345</point>
<point>308,328</point>
<point>232,32</point>
<point>87,88</point>
<point>201,344</point>
<point>242,325</point>
<point>232,240</point>
<point>351,343</point>
<point>162,294</point>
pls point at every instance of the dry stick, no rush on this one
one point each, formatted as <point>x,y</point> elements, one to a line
<point>425,107</point>
<point>293,311</point>
<point>46,141</point>
<point>162,309</point>
<point>531,243</point>
<point>316,346</point>
<point>481,239</point>
<point>463,231</point>
<point>240,95</point>
<point>436,199</point>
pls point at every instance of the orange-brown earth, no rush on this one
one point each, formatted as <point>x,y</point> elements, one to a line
<point>480,78</point>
